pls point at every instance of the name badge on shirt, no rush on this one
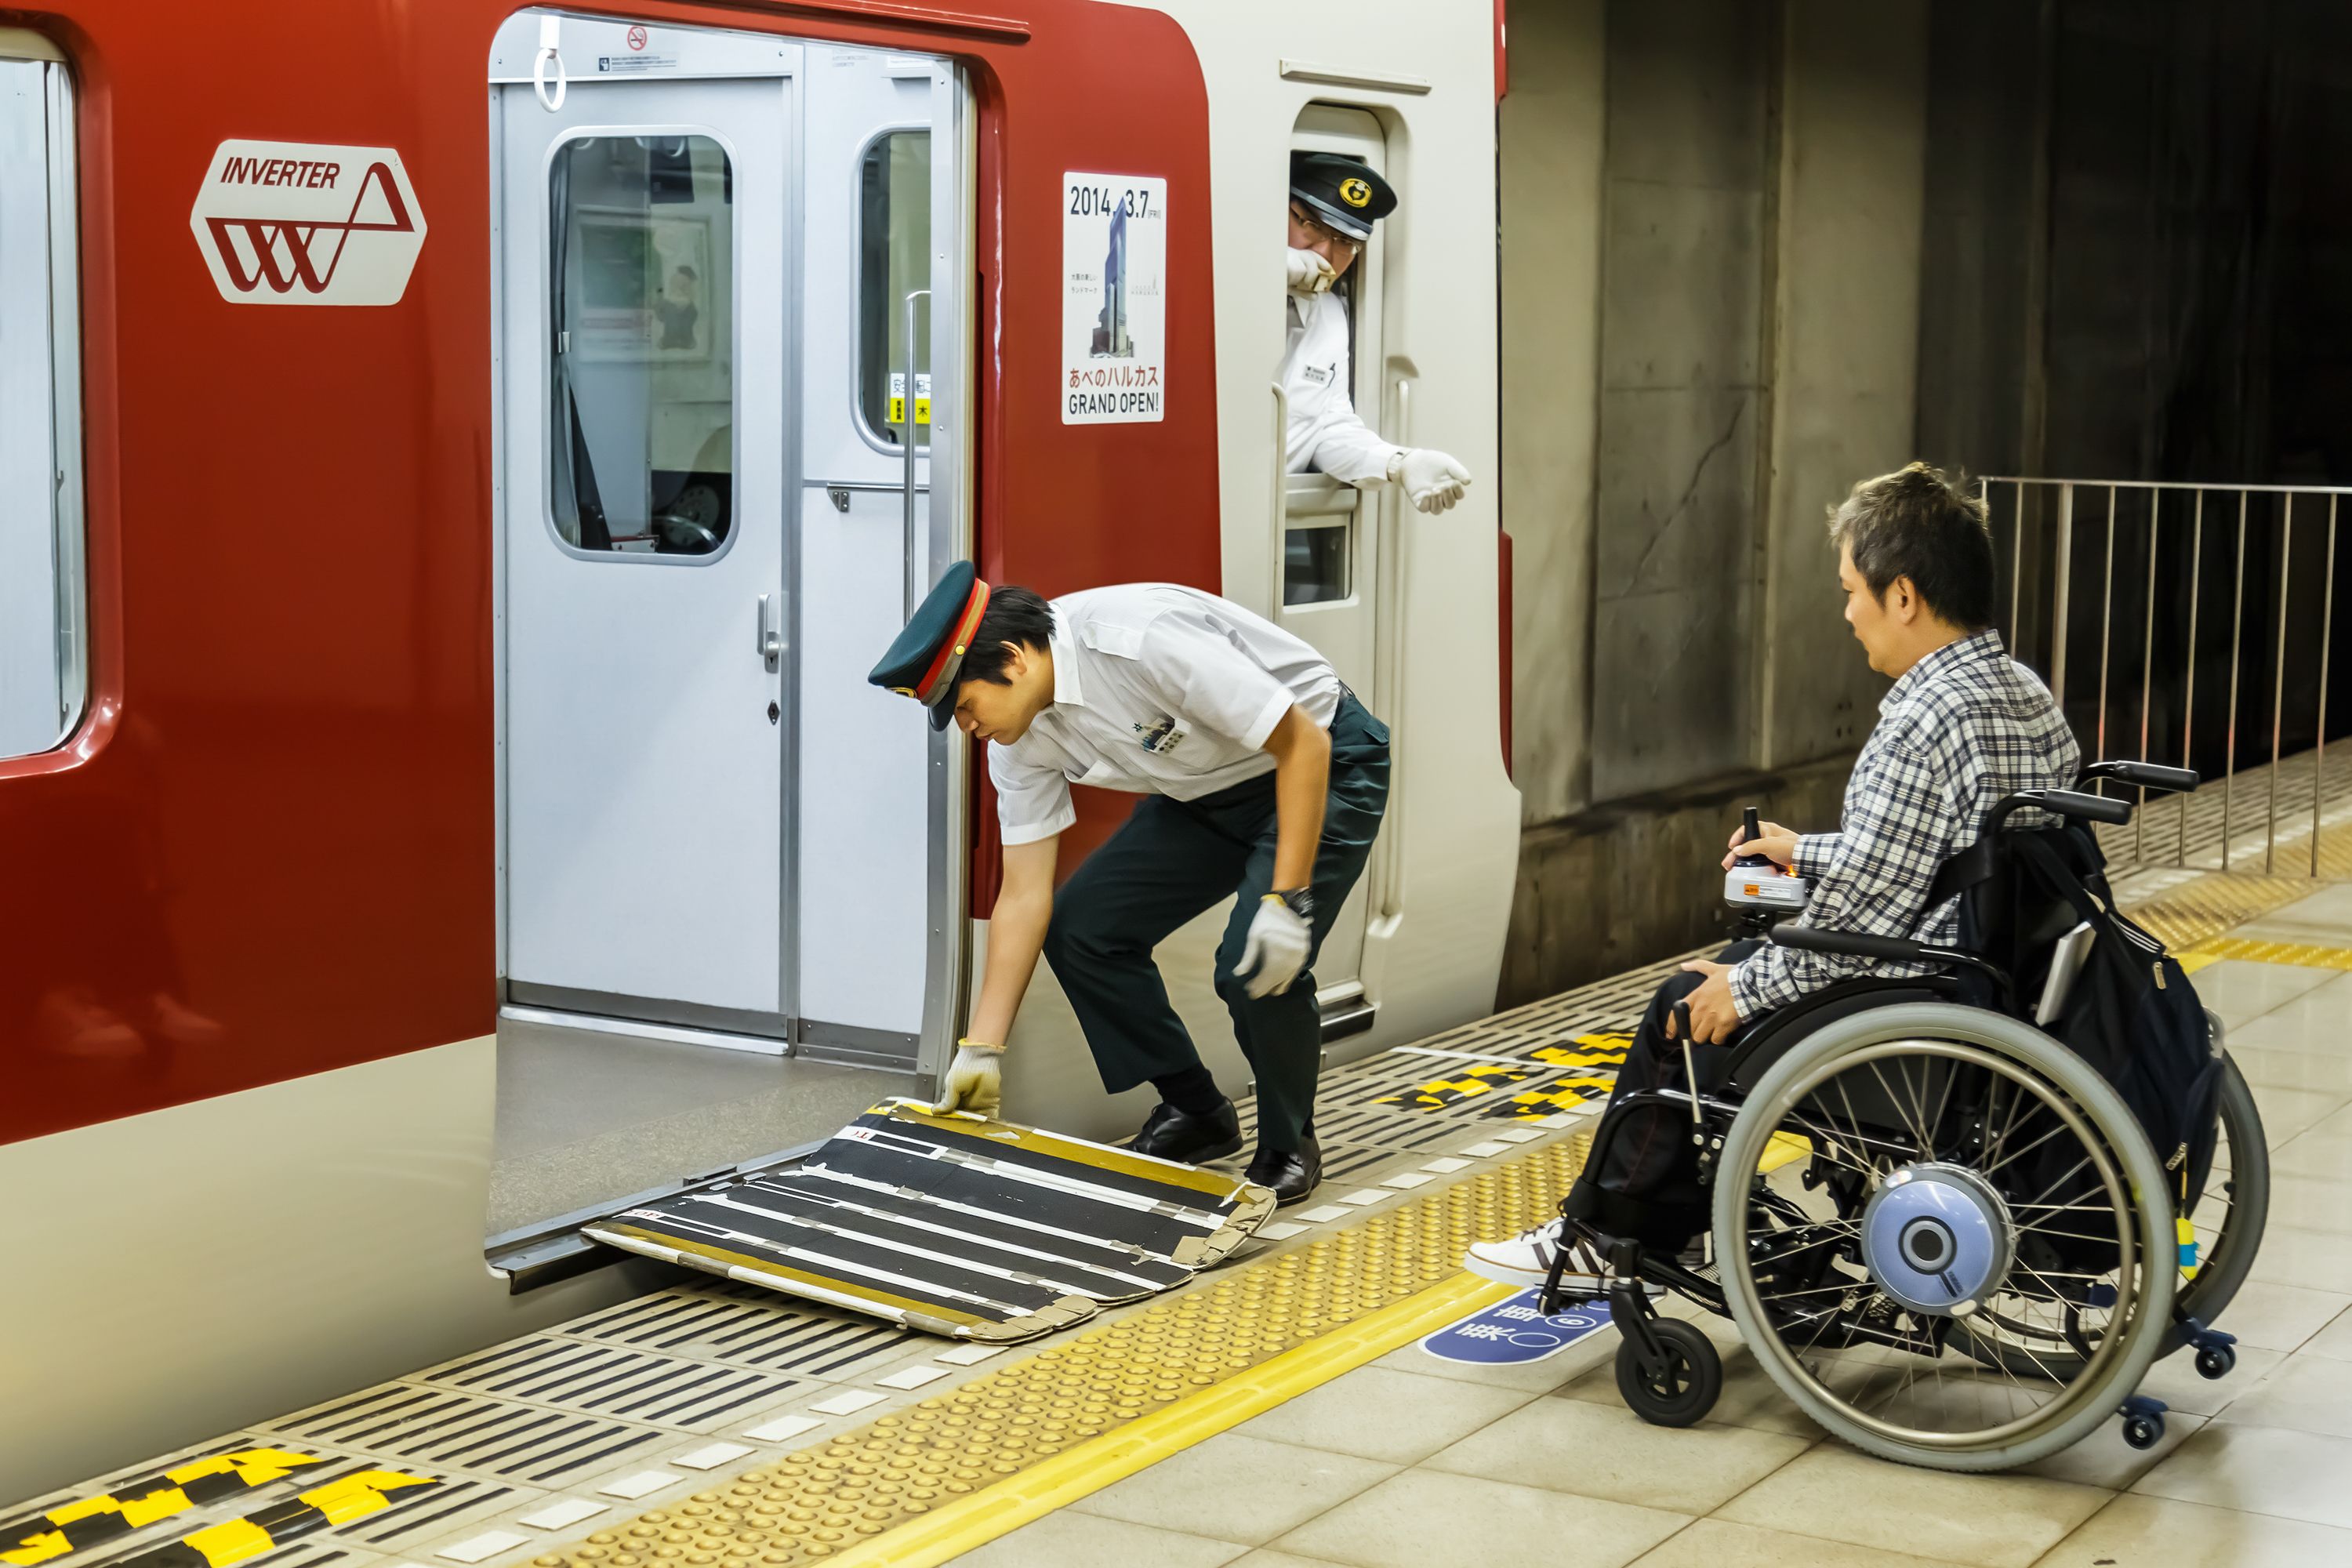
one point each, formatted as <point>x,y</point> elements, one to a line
<point>1321,375</point>
<point>1159,737</point>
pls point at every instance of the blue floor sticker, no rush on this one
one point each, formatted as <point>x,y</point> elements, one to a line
<point>1516,1331</point>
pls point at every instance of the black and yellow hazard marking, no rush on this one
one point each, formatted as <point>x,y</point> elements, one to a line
<point>1600,1055</point>
<point>135,1504</point>
<point>339,1502</point>
<point>955,1224</point>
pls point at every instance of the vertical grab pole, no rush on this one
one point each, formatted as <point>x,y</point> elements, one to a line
<point>2189,659</point>
<point>2146,673</point>
<point>2319,725</point>
<point>915,586</point>
<point>1281,502</point>
<point>2237,630</point>
<point>2278,675</point>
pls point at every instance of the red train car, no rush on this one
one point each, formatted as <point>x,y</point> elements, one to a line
<point>457,465</point>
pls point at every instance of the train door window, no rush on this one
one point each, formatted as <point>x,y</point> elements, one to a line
<point>894,261</point>
<point>43,636</point>
<point>642,376</point>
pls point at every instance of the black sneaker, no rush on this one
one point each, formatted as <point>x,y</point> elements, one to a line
<point>1292,1177</point>
<point>1172,1134</point>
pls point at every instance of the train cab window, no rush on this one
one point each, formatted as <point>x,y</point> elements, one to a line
<point>894,259</point>
<point>43,636</point>
<point>642,376</point>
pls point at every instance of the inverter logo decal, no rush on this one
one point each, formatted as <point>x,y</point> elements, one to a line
<point>293,223</point>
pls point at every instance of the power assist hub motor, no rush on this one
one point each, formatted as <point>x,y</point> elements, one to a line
<point>1753,882</point>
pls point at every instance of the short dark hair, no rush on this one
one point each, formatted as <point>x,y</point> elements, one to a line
<point>1919,524</point>
<point>1014,615</point>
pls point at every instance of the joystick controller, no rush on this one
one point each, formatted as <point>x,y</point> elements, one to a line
<point>1755,885</point>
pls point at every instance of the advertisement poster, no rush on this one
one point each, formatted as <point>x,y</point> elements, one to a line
<point>1114,300</point>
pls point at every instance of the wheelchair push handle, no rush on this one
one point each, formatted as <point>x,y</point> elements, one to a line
<point>2144,775</point>
<point>2067,803</point>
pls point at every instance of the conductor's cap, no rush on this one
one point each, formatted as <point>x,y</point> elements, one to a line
<point>924,661</point>
<point>1346,192</point>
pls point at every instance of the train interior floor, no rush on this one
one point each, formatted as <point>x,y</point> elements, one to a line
<point>1282,1411</point>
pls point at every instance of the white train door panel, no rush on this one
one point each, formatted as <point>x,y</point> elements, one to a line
<point>646,292</point>
<point>881,169</point>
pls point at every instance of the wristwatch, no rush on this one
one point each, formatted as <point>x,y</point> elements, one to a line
<point>1299,901</point>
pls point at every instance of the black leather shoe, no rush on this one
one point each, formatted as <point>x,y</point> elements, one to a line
<point>1172,1134</point>
<point>1292,1177</point>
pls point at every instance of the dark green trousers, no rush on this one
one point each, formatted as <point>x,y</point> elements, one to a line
<point>1171,860</point>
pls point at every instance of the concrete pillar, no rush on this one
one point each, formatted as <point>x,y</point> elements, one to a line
<point>1843,342</point>
<point>1549,149</point>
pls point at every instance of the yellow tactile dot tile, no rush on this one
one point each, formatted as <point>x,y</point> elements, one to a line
<point>2183,916</point>
<point>817,1501</point>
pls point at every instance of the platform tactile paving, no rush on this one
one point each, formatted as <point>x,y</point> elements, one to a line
<point>819,1501</point>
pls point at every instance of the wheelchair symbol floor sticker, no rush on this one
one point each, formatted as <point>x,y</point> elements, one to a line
<point>1515,1329</point>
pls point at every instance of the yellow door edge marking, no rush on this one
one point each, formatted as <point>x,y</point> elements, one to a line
<point>1062,1478</point>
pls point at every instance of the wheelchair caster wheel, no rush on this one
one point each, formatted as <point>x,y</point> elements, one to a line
<point>1684,1389</point>
<point>2217,1360</point>
<point>2144,1432</point>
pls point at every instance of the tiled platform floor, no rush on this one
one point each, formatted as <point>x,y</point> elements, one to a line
<point>1414,1462</point>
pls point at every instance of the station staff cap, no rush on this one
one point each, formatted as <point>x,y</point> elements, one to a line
<point>925,659</point>
<point>1346,192</point>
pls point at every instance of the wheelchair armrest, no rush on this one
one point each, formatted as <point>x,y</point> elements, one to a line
<point>1854,943</point>
<point>1896,949</point>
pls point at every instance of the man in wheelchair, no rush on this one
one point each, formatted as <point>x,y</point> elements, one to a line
<point>1963,726</point>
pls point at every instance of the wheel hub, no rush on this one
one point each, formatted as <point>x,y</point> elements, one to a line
<point>1937,1238</point>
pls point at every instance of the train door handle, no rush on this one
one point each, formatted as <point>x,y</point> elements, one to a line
<point>771,638</point>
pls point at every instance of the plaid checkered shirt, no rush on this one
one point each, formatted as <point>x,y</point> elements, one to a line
<point>1963,726</point>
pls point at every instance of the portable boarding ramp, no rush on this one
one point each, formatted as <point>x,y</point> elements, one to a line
<point>955,1224</point>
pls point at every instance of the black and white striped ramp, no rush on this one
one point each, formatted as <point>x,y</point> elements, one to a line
<point>955,1224</point>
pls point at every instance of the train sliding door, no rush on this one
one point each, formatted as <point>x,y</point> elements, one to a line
<point>647,306</point>
<point>731,307</point>
<point>1331,550</point>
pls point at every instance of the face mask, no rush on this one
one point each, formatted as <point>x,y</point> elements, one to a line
<point>1310,273</point>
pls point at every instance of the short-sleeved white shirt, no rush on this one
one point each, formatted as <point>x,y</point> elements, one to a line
<point>1158,689</point>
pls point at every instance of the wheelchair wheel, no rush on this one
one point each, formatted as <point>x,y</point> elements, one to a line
<point>2229,1214</point>
<point>1961,1167</point>
<point>1685,1390</point>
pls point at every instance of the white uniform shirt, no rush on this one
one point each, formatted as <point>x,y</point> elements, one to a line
<point>1158,689</point>
<point>1324,433</point>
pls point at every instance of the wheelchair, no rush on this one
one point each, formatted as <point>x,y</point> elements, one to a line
<point>1939,1232</point>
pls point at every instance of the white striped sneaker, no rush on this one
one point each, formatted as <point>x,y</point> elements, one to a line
<point>1526,1259</point>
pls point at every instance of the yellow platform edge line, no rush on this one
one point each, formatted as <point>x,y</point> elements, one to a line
<point>973,1521</point>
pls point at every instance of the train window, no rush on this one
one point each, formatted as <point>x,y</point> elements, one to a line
<point>1315,564</point>
<point>44,666</point>
<point>894,259</point>
<point>642,376</point>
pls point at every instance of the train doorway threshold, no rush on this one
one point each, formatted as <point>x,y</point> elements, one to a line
<point>711,1421</point>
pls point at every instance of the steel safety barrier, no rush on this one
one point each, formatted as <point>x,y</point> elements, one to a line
<point>2096,566</point>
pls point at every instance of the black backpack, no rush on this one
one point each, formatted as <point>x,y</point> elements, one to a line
<point>2131,1012</point>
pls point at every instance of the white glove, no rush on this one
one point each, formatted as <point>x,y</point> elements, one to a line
<point>975,1080</point>
<point>1310,273</point>
<point>1277,949</point>
<point>1432,479</point>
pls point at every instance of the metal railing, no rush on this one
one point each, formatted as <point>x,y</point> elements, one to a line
<point>2061,542</point>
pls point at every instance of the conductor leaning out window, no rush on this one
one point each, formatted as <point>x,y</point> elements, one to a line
<point>1263,783</point>
<point>1334,202</point>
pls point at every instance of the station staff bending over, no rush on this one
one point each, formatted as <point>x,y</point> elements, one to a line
<point>1263,776</point>
<point>1963,725</point>
<point>1334,202</point>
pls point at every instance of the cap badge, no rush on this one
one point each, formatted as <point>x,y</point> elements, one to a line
<point>1355,193</point>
